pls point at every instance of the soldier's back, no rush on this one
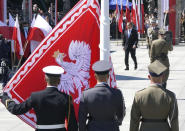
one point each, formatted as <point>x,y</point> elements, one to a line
<point>105,108</point>
<point>159,50</point>
<point>100,98</point>
<point>153,33</point>
<point>155,103</point>
<point>50,103</point>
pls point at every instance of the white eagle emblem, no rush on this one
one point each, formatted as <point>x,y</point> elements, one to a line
<point>76,72</point>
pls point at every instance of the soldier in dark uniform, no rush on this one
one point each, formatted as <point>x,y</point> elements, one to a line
<point>101,108</point>
<point>154,107</point>
<point>4,48</point>
<point>50,105</point>
<point>4,58</point>
<point>152,34</point>
<point>159,51</point>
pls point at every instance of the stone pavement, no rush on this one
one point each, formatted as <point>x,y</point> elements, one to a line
<point>129,82</point>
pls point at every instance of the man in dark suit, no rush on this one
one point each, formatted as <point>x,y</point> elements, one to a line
<point>50,105</point>
<point>101,108</point>
<point>130,40</point>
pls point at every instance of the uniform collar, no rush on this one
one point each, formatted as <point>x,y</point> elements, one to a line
<point>51,87</point>
<point>102,84</point>
<point>156,84</point>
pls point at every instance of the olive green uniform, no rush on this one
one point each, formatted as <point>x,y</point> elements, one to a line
<point>151,36</point>
<point>159,51</point>
<point>154,105</point>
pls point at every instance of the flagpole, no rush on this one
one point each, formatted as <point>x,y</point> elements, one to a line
<point>19,63</point>
<point>14,59</point>
<point>104,31</point>
<point>5,11</point>
<point>30,11</point>
<point>56,10</point>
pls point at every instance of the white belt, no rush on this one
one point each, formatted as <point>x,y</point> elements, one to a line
<point>57,126</point>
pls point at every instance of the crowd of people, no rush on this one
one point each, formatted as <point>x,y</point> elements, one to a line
<point>114,31</point>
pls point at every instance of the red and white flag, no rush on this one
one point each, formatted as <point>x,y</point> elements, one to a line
<point>11,27</point>
<point>75,40</point>
<point>30,28</point>
<point>127,11</point>
<point>17,39</point>
<point>40,29</point>
<point>134,15</point>
<point>120,22</point>
<point>117,11</point>
<point>138,15</point>
<point>2,24</point>
<point>143,17</point>
<point>32,43</point>
<point>11,21</point>
<point>4,30</point>
<point>112,77</point>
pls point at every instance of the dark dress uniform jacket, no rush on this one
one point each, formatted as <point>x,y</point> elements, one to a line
<point>103,107</point>
<point>154,103</point>
<point>4,49</point>
<point>50,106</point>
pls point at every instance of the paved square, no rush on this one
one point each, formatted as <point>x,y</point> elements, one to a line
<point>129,82</point>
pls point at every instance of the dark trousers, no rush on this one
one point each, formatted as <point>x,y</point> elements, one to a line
<point>4,76</point>
<point>133,55</point>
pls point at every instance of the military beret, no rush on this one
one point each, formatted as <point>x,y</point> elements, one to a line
<point>53,70</point>
<point>101,67</point>
<point>162,31</point>
<point>156,68</point>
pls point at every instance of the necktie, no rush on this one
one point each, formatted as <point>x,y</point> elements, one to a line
<point>128,33</point>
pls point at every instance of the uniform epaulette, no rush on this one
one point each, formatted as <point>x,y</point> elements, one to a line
<point>141,90</point>
<point>87,89</point>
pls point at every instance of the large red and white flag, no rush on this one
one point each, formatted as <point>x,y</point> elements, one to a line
<point>40,29</point>
<point>120,22</point>
<point>72,44</point>
<point>127,11</point>
<point>17,39</point>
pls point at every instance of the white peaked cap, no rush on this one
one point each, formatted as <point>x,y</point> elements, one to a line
<point>101,66</point>
<point>53,70</point>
